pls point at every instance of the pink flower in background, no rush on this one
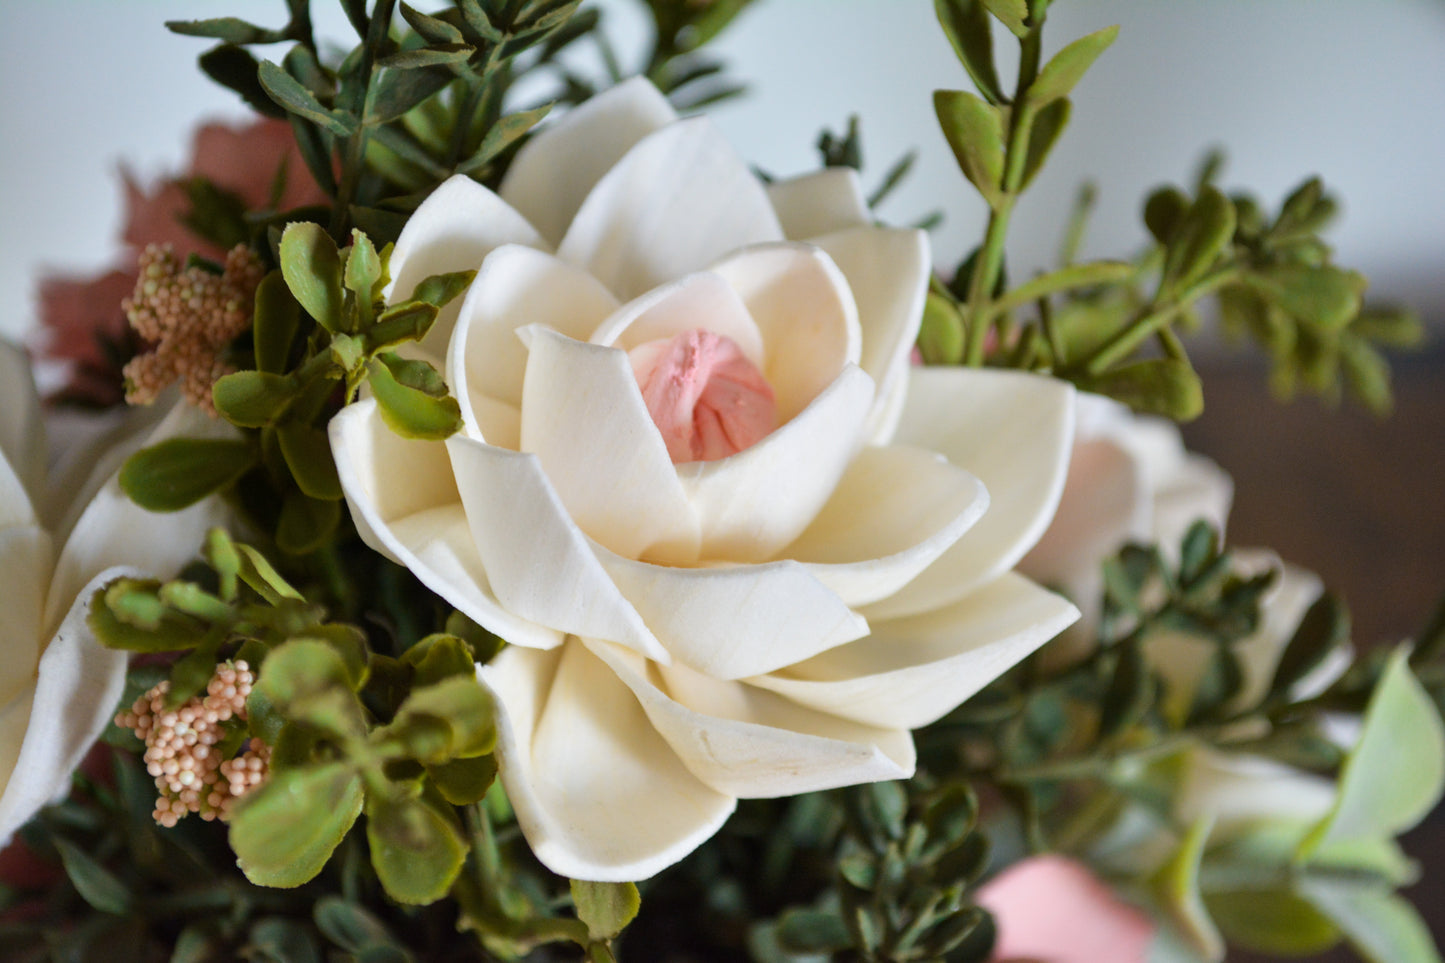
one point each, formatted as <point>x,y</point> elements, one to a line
<point>1053,910</point>
<point>83,339</point>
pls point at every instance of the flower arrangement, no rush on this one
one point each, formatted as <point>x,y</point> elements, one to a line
<point>529,532</point>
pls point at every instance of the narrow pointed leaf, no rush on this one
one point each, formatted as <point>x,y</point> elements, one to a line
<point>290,94</point>
<point>311,265</point>
<point>966,24</point>
<point>277,318</point>
<point>1060,75</point>
<point>308,454</point>
<point>1013,14</point>
<point>1048,125</point>
<point>502,135</point>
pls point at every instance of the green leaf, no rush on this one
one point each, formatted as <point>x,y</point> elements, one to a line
<point>277,318</point>
<point>226,29</point>
<point>307,680</point>
<point>285,830</point>
<point>236,69</point>
<point>305,523</point>
<point>1130,693</point>
<point>1367,373</point>
<point>1159,386</point>
<point>606,908</point>
<point>1324,629</point>
<point>1060,75</point>
<point>966,24</point>
<point>974,131</point>
<point>416,851</point>
<point>96,885</point>
<point>1275,922</point>
<point>434,56</point>
<point>1070,278</point>
<point>1176,885</point>
<point>1381,926</point>
<point>1164,211</point>
<point>1402,746</point>
<point>179,472</point>
<point>118,630</point>
<point>409,321</point>
<point>429,28</point>
<point>290,94</point>
<point>1200,238</point>
<point>259,574</point>
<point>282,940</point>
<point>349,925</point>
<point>438,657</point>
<point>363,267</point>
<point>1325,296</point>
<point>440,289</point>
<point>941,335</point>
<point>464,781</point>
<point>220,553</point>
<point>398,91</point>
<point>1048,125</point>
<point>461,704</point>
<point>408,410</point>
<point>502,135</point>
<point>1013,14</point>
<point>308,454</point>
<point>252,399</point>
<point>312,267</point>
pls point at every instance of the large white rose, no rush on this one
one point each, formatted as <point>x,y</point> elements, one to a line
<point>738,550</point>
<point>62,535</point>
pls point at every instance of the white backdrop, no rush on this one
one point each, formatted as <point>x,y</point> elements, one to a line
<point>1349,89</point>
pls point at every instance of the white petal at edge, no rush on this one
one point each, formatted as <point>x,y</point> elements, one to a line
<point>895,511</point>
<point>27,559</point>
<point>404,501</point>
<point>22,436</point>
<point>753,744</point>
<point>1015,432</point>
<point>912,671</point>
<point>554,171</point>
<point>540,564</point>
<point>598,793</point>
<point>454,229</point>
<point>77,689</point>
<point>819,203</point>
<point>679,200</point>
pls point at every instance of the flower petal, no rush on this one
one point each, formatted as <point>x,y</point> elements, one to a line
<point>540,564</point>
<point>554,171</point>
<point>911,671</point>
<point>679,200</point>
<point>802,306</point>
<point>894,512</point>
<point>516,287</point>
<point>1051,908</point>
<point>584,769</point>
<point>888,272</point>
<point>404,501</point>
<point>744,742</point>
<point>22,436</point>
<point>752,504</point>
<point>27,556</point>
<point>701,300</point>
<point>454,229</point>
<point>584,418</point>
<point>819,203</point>
<point>76,690</point>
<point>735,621</point>
<point>1012,430</point>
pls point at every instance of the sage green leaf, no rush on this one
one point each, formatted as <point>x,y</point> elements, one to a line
<point>1199,239</point>
<point>96,885</point>
<point>412,412</point>
<point>440,289</point>
<point>1060,75</point>
<point>1159,386</point>
<point>349,643</point>
<point>282,940</point>
<point>464,781</point>
<point>416,851</point>
<point>349,925</point>
<point>1324,629</point>
<point>308,454</point>
<point>606,908</point>
<point>399,324</point>
<point>974,130</point>
<point>235,69</point>
<point>1402,746</point>
<point>1013,14</point>
<point>1164,211</point>
<point>312,267</point>
<point>1272,921</point>
<point>1176,886</point>
<point>1068,278</point>
<point>941,335</point>
<point>1049,122</point>
<point>277,318</point>
<point>257,572</point>
<point>429,28</point>
<point>190,599</point>
<point>1367,373</point>
<point>1325,296</point>
<point>305,523</point>
<point>1382,927</point>
<point>363,267</point>
<point>230,30</point>
<point>1130,693</point>
<point>220,553</point>
<point>252,399</point>
<point>179,472</point>
<point>115,632</point>
<point>438,657</point>
<point>398,91</point>
<point>502,135</point>
<point>292,95</point>
<point>285,830</point>
<point>462,703</point>
<point>434,56</point>
<point>307,680</point>
<point>1394,327</point>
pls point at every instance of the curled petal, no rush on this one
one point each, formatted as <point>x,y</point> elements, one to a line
<point>1050,908</point>
<point>516,287</point>
<point>679,200</point>
<point>540,565</point>
<point>745,742</point>
<point>404,500</point>
<point>702,300</point>
<point>819,203</point>
<point>584,418</point>
<point>22,437</point>
<point>26,559</point>
<point>554,171</point>
<point>911,671</point>
<point>895,511</point>
<point>457,226</point>
<point>1012,430</point>
<point>752,504</point>
<point>585,769</point>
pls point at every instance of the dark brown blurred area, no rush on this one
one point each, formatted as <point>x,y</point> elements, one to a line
<point>1358,499</point>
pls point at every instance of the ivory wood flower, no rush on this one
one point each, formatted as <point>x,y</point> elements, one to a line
<point>63,535</point>
<point>772,618</point>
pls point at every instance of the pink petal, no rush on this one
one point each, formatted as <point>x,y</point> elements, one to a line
<point>1054,910</point>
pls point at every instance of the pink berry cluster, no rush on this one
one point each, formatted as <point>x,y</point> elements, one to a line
<point>190,316</point>
<point>181,744</point>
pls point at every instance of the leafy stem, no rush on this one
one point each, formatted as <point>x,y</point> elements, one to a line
<point>1156,320</point>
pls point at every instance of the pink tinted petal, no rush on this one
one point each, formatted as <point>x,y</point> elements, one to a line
<point>706,398</point>
<point>1053,910</point>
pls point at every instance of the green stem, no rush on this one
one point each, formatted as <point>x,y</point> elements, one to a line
<point>1122,344</point>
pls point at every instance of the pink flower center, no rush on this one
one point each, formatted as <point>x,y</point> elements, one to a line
<point>708,400</point>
